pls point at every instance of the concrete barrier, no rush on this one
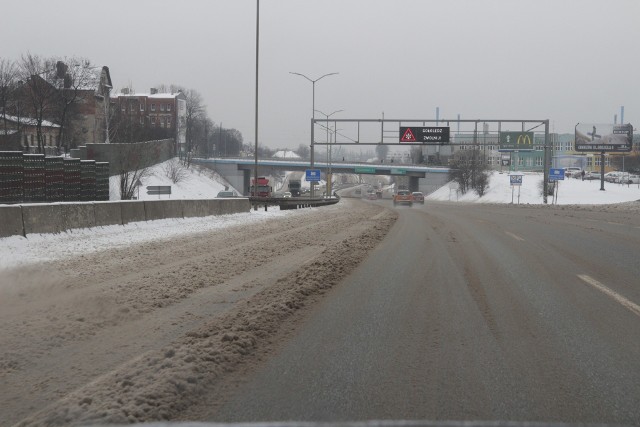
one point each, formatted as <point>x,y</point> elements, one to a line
<point>42,218</point>
<point>132,211</point>
<point>58,217</point>
<point>77,215</point>
<point>154,209</point>
<point>195,208</point>
<point>173,208</point>
<point>11,221</point>
<point>228,206</point>
<point>108,213</point>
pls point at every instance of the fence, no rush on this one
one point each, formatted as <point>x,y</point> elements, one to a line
<point>34,178</point>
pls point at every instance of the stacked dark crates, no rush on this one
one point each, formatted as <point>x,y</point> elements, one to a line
<point>54,179</point>
<point>11,170</point>
<point>71,180</point>
<point>87,180</point>
<point>102,181</point>
<point>33,178</point>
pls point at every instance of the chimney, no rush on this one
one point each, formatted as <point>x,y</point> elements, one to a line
<point>125,91</point>
<point>153,91</point>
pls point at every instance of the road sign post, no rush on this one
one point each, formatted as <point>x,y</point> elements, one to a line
<point>556,175</point>
<point>516,181</point>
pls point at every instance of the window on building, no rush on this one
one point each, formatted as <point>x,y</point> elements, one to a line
<point>153,107</point>
<point>124,108</point>
<point>538,161</point>
<point>141,120</point>
<point>168,122</point>
<point>520,161</point>
<point>161,107</point>
<point>597,161</point>
<point>141,106</point>
<point>589,161</point>
<point>153,119</point>
<point>168,107</point>
<point>26,140</point>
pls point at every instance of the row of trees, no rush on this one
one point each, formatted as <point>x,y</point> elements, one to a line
<point>470,173</point>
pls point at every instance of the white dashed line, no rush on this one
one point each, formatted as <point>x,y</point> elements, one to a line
<point>635,308</point>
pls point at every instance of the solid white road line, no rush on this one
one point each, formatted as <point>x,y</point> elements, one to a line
<point>514,236</point>
<point>635,308</point>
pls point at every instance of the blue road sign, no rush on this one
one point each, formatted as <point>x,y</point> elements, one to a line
<point>312,175</point>
<point>556,174</point>
<point>515,179</point>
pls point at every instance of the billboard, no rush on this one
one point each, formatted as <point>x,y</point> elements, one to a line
<point>603,137</point>
<point>516,141</point>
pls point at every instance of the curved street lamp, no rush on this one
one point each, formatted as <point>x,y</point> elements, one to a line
<point>313,106</point>
<point>328,173</point>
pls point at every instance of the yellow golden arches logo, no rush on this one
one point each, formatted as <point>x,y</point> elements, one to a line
<point>524,139</point>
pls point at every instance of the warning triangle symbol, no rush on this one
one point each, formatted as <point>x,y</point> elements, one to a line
<point>408,136</point>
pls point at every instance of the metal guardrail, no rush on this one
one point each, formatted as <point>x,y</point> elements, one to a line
<point>286,203</point>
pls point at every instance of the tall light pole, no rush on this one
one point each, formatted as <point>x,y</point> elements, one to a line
<point>313,107</point>
<point>255,181</point>
<point>328,173</point>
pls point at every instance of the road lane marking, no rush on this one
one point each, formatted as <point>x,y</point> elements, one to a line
<point>635,308</point>
<point>514,236</point>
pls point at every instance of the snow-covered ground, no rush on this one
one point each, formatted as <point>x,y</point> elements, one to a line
<point>570,191</point>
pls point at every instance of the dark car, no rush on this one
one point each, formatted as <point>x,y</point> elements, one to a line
<point>225,194</point>
<point>593,175</point>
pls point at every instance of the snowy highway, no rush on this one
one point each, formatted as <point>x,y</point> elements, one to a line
<point>355,311</point>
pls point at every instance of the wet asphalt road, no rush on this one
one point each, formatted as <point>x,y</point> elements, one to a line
<point>469,312</point>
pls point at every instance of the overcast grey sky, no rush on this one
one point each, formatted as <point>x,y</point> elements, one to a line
<point>566,60</point>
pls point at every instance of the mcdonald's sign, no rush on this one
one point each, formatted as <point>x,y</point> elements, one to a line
<point>516,141</point>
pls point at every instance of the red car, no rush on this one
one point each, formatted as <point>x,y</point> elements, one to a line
<point>418,197</point>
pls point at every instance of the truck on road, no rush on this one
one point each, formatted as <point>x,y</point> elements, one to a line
<point>263,190</point>
<point>295,186</point>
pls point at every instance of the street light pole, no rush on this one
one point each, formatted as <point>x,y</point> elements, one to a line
<point>255,181</point>
<point>313,109</point>
<point>328,173</point>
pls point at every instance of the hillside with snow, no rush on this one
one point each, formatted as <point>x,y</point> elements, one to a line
<point>197,182</point>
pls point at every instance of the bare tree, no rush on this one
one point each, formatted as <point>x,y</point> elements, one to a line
<point>132,170</point>
<point>8,77</point>
<point>40,90</point>
<point>175,171</point>
<point>77,76</point>
<point>194,121</point>
<point>469,172</point>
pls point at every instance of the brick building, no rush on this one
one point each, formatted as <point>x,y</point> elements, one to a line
<point>155,110</point>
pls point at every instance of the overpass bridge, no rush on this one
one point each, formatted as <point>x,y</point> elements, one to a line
<point>238,171</point>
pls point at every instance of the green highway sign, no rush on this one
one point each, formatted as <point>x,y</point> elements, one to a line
<point>398,171</point>
<point>364,170</point>
<point>511,141</point>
